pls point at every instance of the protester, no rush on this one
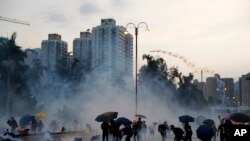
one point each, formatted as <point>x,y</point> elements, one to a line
<point>188,132</point>
<point>13,124</point>
<point>144,129</point>
<point>128,131</point>
<point>178,132</point>
<point>105,131</point>
<point>40,126</point>
<point>34,124</point>
<point>137,126</point>
<point>162,128</point>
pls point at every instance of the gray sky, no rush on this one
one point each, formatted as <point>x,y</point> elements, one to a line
<point>209,33</point>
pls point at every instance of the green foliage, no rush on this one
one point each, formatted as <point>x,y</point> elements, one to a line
<point>170,83</point>
<point>13,72</point>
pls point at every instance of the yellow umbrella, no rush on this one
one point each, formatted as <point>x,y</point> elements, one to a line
<point>41,115</point>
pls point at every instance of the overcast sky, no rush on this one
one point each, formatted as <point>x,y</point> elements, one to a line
<point>209,33</point>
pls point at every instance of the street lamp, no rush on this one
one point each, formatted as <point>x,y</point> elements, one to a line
<point>136,45</point>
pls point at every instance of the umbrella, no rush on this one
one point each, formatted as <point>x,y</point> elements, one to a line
<point>240,117</point>
<point>209,122</point>
<point>123,120</point>
<point>112,115</point>
<point>199,120</point>
<point>204,132</point>
<point>102,118</point>
<point>140,116</point>
<point>25,120</point>
<point>41,115</point>
<point>186,118</point>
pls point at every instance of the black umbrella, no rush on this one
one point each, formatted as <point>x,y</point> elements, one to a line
<point>140,116</point>
<point>240,117</point>
<point>209,122</point>
<point>123,120</point>
<point>205,133</point>
<point>186,118</point>
<point>111,115</point>
<point>102,118</point>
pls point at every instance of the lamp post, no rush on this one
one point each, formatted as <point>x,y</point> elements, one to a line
<point>136,49</point>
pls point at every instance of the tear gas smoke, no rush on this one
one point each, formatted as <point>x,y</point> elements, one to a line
<point>97,94</point>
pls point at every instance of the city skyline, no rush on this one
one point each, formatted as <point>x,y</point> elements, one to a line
<point>213,34</point>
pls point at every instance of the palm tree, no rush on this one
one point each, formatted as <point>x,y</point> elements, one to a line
<point>12,70</point>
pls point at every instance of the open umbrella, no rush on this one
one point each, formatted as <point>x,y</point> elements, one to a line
<point>25,120</point>
<point>102,118</point>
<point>186,118</point>
<point>205,133</point>
<point>123,120</point>
<point>111,115</point>
<point>140,116</point>
<point>40,115</point>
<point>199,120</point>
<point>209,122</point>
<point>240,117</point>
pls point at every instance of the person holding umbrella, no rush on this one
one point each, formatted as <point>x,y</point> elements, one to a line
<point>188,132</point>
<point>105,131</point>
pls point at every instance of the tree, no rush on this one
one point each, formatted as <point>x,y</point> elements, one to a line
<point>155,77</point>
<point>169,83</point>
<point>13,74</point>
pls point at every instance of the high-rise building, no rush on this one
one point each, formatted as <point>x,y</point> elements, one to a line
<point>244,84</point>
<point>212,89</point>
<point>220,89</point>
<point>229,90</point>
<point>82,49</point>
<point>53,50</point>
<point>129,55</point>
<point>111,49</point>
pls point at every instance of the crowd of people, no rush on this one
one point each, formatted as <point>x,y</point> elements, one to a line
<point>138,131</point>
<point>36,125</point>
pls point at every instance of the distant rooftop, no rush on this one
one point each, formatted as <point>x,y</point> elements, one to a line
<point>108,21</point>
<point>54,36</point>
<point>85,34</point>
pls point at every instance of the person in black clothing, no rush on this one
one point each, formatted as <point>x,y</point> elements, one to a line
<point>13,124</point>
<point>40,126</point>
<point>105,131</point>
<point>162,128</point>
<point>178,132</point>
<point>188,132</point>
<point>34,124</point>
<point>128,131</point>
<point>117,135</point>
<point>137,130</point>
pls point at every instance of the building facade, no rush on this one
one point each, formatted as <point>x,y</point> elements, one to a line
<point>82,49</point>
<point>111,49</point>
<point>229,90</point>
<point>244,84</point>
<point>53,50</point>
